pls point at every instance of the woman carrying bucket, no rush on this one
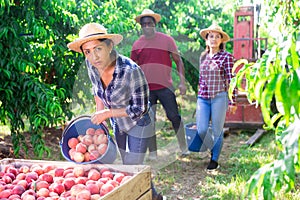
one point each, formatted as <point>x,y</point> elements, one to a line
<point>120,90</point>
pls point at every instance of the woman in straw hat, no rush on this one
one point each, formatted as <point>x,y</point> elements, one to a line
<point>120,90</point>
<point>215,74</point>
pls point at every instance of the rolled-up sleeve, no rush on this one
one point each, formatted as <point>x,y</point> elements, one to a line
<point>228,65</point>
<point>138,103</point>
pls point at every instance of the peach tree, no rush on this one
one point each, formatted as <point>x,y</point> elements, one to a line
<point>277,76</point>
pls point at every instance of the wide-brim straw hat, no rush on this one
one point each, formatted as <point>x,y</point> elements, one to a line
<point>93,31</point>
<point>148,13</point>
<point>216,28</point>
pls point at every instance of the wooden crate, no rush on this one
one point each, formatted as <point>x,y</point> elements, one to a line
<point>136,188</point>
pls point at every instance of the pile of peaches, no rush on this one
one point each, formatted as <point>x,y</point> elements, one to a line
<point>48,182</point>
<point>89,146</point>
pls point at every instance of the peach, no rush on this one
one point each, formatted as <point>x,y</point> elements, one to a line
<point>114,183</point>
<point>72,142</point>
<point>38,169</point>
<point>58,179</point>
<point>78,157</point>
<point>92,147</point>
<point>5,193</point>
<point>79,137</point>
<point>14,197</point>
<point>58,172</point>
<point>78,171</point>
<point>102,148</point>
<point>93,188</point>
<point>11,175</point>
<point>67,171</point>
<point>104,180</point>
<point>31,176</point>
<point>100,139</point>
<point>24,169</point>
<point>41,184</point>
<point>66,195</point>
<point>47,168</point>
<point>68,183</point>
<point>95,196</point>
<point>57,188</point>
<point>87,156</point>
<point>81,180</point>
<point>90,131</point>
<point>103,169</point>
<point>99,183</point>
<point>2,187</point>
<point>107,174</point>
<point>43,192</point>
<point>94,155</point>
<point>84,195</point>
<point>77,188</point>
<point>80,147</point>
<point>12,170</point>
<point>99,131</point>
<point>30,193</point>
<point>20,176</point>
<point>28,197</point>
<point>94,175</point>
<point>71,153</point>
<point>7,179</point>
<point>46,177</point>
<point>23,183</point>
<point>118,177</point>
<point>106,188</point>
<point>87,140</point>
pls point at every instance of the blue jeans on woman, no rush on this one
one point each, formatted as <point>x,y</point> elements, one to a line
<point>136,140</point>
<point>133,144</point>
<point>212,112</point>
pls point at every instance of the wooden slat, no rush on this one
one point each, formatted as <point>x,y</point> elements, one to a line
<point>255,137</point>
<point>146,196</point>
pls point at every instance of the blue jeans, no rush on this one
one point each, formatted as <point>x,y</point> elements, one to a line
<point>167,99</point>
<point>133,144</point>
<point>212,112</point>
<point>136,140</point>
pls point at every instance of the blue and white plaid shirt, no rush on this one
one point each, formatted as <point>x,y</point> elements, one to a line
<point>128,89</point>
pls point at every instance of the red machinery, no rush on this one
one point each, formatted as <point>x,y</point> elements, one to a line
<point>247,47</point>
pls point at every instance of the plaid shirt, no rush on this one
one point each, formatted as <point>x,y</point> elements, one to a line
<point>215,74</point>
<point>128,89</point>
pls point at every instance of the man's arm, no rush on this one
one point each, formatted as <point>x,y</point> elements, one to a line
<point>180,68</point>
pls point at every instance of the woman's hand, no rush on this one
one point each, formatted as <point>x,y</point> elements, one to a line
<point>232,109</point>
<point>100,116</point>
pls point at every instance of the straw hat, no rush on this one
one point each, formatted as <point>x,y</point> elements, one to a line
<point>93,31</point>
<point>214,27</point>
<point>148,13</point>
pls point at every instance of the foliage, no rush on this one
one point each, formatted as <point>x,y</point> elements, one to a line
<point>42,81</point>
<point>37,73</point>
<point>277,76</point>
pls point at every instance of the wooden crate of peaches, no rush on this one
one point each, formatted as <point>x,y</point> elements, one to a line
<point>53,180</point>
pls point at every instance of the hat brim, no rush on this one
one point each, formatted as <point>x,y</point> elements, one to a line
<point>157,17</point>
<point>75,45</point>
<point>204,32</point>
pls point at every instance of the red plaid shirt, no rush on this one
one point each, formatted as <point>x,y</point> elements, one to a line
<point>215,74</point>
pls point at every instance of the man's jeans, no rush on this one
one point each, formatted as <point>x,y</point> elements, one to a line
<point>212,111</point>
<point>167,99</point>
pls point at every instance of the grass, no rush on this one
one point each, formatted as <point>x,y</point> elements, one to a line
<point>187,179</point>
